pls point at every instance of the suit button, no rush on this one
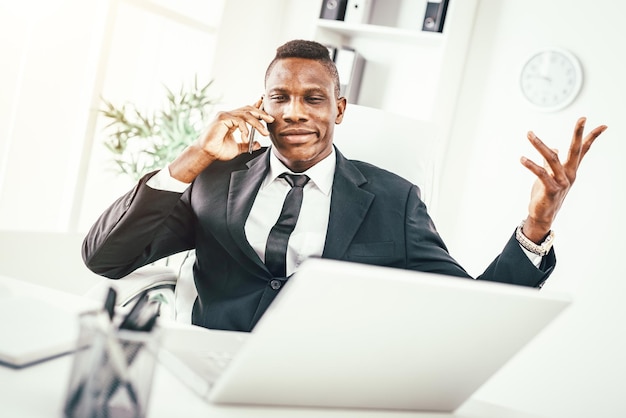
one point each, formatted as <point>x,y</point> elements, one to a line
<point>275,284</point>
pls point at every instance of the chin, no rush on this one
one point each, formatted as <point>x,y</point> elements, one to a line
<point>300,160</point>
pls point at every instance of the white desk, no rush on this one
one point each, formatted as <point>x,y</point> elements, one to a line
<point>38,391</point>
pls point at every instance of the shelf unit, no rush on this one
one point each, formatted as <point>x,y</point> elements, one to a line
<point>407,71</point>
<point>385,33</point>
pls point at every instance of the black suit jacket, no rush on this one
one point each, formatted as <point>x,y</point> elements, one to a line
<point>376,217</point>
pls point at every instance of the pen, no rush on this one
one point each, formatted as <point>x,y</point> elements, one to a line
<point>251,135</point>
<point>109,303</point>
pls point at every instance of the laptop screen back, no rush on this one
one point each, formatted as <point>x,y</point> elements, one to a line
<point>351,335</point>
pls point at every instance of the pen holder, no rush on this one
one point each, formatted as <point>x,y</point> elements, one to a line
<point>112,370</point>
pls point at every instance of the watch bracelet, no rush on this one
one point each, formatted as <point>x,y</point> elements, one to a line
<point>539,249</point>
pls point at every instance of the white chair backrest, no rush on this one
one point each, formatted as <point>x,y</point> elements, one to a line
<point>394,142</point>
<point>185,292</point>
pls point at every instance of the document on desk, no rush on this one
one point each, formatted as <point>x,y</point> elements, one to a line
<point>37,323</point>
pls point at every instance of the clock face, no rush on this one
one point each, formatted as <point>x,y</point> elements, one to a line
<point>551,79</point>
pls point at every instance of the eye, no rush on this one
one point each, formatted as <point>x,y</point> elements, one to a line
<point>315,99</point>
<point>278,97</point>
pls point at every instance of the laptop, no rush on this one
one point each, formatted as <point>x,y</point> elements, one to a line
<point>347,335</point>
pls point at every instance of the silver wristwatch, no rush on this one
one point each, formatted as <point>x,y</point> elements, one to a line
<point>539,249</point>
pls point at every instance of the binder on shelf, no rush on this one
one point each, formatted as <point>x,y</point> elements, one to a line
<point>350,66</point>
<point>332,51</point>
<point>435,15</point>
<point>358,11</point>
<point>333,9</point>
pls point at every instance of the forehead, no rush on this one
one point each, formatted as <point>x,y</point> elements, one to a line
<point>296,73</point>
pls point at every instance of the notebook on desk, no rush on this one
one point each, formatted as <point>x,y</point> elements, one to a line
<point>37,323</point>
<point>350,335</point>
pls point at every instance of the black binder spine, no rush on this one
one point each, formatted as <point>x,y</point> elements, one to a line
<point>435,16</point>
<point>333,9</point>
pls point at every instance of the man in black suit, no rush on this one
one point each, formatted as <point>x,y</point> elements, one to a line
<point>223,202</point>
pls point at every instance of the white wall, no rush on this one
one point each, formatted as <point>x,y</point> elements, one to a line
<point>577,368</point>
<point>247,42</point>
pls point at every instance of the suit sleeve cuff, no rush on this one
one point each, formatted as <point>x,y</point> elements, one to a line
<point>534,258</point>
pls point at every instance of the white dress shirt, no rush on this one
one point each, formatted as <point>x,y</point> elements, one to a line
<point>308,238</point>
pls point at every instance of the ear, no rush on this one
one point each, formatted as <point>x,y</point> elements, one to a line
<point>342,102</point>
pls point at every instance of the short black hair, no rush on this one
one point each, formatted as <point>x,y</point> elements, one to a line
<point>300,48</point>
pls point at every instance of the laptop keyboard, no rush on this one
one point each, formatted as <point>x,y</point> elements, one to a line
<point>198,357</point>
<point>209,363</point>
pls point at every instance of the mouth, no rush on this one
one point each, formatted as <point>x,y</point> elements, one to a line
<point>297,135</point>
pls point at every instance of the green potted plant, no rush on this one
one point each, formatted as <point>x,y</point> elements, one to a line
<point>142,142</point>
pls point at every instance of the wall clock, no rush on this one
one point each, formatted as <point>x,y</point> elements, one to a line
<point>551,79</point>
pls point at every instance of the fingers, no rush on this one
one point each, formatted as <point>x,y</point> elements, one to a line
<point>590,138</point>
<point>579,146</point>
<point>244,119</point>
<point>577,150</point>
<point>546,166</point>
<point>256,110</point>
<point>541,173</point>
<point>253,116</point>
<point>551,158</point>
<point>258,114</point>
<point>254,120</point>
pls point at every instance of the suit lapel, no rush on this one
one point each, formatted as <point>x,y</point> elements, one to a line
<point>244,186</point>
<point>348,207</point>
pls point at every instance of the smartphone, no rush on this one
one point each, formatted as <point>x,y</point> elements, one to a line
<point>252,134</point>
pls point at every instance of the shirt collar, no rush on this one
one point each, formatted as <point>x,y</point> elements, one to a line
<point>321,174</point>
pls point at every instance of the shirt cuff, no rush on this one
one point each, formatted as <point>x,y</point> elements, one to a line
<point>164,181</point>
<point>534,258</point>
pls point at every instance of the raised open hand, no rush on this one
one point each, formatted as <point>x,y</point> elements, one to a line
<point>554,179</point>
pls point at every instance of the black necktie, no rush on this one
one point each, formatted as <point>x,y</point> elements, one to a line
<point>276,248</point>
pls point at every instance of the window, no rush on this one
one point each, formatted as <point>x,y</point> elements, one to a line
<point>64,55</point>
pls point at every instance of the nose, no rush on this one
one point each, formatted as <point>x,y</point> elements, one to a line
<point>294,110</point>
